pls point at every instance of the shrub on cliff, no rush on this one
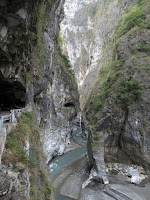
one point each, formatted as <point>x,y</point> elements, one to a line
<point>32,158</point>
<point>136,17</point>
<point>129,92</point>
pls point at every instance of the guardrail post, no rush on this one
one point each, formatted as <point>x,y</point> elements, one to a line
<point>1,122</point>
<point>12,116</point>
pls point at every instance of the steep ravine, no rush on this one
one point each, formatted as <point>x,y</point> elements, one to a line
<point>119,99</point>
<point>71,170</point>
<point>86,29</point>
<point>67,172</point>
<point>92,54</point>
<point>108,45</point>
<point>36,75</point>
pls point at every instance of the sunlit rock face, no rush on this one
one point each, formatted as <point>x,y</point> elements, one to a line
<point>86,27</point>
<point>32,72</point>
<point>74,29</point>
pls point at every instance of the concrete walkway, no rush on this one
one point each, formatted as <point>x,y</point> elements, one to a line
<point>3,134</point>
<point>5,127</point>
<point>4,131</point>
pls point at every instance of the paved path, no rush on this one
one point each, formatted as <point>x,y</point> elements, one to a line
<point>7,122</point>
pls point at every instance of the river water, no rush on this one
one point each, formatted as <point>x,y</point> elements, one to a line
<point>68,174</point>
<point>61,163</point>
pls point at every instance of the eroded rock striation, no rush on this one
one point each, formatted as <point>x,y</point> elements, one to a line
<point>34,73</point>
<point>109,50</point>
<point>86,28</point>
<point>32,61</point>
<point>119,97</point>
<point>108,47</point>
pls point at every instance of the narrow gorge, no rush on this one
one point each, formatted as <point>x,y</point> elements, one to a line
<point>74,99</point>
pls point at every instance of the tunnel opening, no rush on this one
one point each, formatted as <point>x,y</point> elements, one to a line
<point>12,95</point>
<point>69,104</point>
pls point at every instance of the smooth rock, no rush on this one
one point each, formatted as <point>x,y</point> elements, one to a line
<point>20,166</point>
<point>133,172</point>
<point>3,31</point>
<point>136,179</point>
<point>22,13</point>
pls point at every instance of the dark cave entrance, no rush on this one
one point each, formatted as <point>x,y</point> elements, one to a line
<point>12,95</point>
<point>69,104</point>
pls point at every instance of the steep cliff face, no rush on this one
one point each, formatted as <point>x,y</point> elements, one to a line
<point>53,91</point>
<point>33,63</point>
<point>109,51</point>
<point>34,73</point>
<point>86,28</point>
<point>108,46</point>
<point>120,99</point>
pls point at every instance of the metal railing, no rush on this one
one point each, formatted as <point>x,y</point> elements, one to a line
<point>10,118</point>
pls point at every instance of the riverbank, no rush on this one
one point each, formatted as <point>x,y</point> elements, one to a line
<point>69,183</point>
<point>71,170</point>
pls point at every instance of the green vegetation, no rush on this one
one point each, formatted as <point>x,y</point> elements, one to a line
<point>94,10</point>
<point>41,20</point>
<point>107,70</point>
<point>103,93</point>
<point>67,67</point>
<point>129,92</point>
<point>46,18</point>
<point>40,189</point>
<point>33,160</point>
<point>96,136</point>
<point>17,138</point>
<point>95,140</point>
<point>103,73</point>
<point>50,2</point>
<point>47,185</point>
<point>41,17</point>
<point>143,47</point>
<point>136,17</point>
<point>61,40</point>
<point>113,85</point>
<point>98,96</point>
<point>140,2</point>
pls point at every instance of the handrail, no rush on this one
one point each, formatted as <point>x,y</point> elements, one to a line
<point>11,118</point>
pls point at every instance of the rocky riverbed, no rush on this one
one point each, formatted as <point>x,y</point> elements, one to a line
<point>71,170</point>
